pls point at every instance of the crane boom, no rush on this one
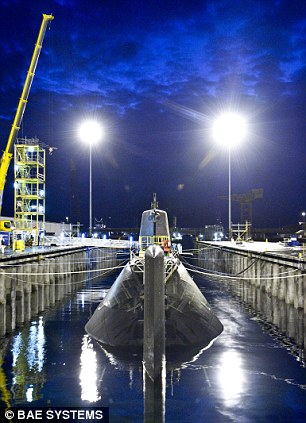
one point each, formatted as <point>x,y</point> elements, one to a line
<point>7,154</point>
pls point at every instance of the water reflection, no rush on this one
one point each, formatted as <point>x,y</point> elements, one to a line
<point>282,321</point>
<point>29,394</point>
<point>5,394</point>
<point>231,377</point>
<point>36,346</point>
<point>16,347</point>
<point>28,358</point>
<point>154,393</point>
<point>88,374</point>
<point>245,376</point>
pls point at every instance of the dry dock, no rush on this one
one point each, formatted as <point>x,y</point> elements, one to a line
<point>276,270</point>
<point>34,281</point>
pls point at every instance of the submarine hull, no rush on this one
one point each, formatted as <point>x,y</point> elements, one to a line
<point>118,320</point>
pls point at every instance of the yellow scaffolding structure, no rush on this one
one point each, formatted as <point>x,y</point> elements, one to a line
<point>7,154</point>
<point>241,232</point>
<point>29,188</point>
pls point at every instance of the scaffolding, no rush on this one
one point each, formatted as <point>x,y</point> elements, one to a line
<point>29,197</point>
<point>241,231</point>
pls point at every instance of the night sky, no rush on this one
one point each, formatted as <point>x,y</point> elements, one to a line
<point>156,74</point>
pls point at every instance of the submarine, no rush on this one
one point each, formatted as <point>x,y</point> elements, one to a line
<point>118,321</point>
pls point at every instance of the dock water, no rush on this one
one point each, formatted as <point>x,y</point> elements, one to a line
<point>270,284</point>
<point>34,281</point>
<point>246,374</point>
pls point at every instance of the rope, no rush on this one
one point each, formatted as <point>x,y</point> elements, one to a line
<point>102,273</point>
<point>227,276</point>
<point>216,247</point>
<point>209,272</point>
<point>48,260</point>
<point>64,272</point>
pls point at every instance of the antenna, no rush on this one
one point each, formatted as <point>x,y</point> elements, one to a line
<point>154,204</point>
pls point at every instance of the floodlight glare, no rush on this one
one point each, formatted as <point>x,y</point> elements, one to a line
<point>229,129</point>
<point>90,131</point>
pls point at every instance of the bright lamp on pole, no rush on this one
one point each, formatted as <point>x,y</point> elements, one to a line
<point>90,132</point>
<point>229,129</point>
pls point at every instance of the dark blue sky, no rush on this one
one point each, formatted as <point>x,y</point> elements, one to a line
<point>156,74</point>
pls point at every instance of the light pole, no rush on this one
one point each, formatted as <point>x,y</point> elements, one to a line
<point>229,129</point>
<point>90,132</point>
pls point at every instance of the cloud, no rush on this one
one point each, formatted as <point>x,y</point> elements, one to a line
<point>157,73</point>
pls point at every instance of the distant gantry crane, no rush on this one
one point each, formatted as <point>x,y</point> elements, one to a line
<point>246,205</point>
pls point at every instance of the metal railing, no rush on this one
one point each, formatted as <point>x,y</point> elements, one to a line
<point>146,241</point>
<point>88,242</point>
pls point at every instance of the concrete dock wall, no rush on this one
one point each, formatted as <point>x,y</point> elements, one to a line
<point>31,283</point>
<point>272,286</point>
<point>280,276</point>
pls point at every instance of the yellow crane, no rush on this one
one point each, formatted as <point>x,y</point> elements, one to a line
<point>8,152</point>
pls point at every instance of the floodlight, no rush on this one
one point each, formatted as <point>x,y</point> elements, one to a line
<point>230,129</point>
<point>90,131</point>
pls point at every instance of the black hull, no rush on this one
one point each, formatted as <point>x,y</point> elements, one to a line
<point>118,320</point>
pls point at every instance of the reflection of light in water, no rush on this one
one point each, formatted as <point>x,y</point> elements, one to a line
<point>35,350</point>
<point>154,395</point>
<point>31,346</point>
<point>29,394</point>
<point>90,296</point>
<point>131,378</point>
<point>112,359</point>
<point>28,351</point>
<point>16,348</point>
<point>188,364</point>
<point>88,374</point>
<point>231,377</point>
<point>40,345</point>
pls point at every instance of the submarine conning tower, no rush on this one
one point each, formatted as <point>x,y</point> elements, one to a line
<point>154,228</point>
